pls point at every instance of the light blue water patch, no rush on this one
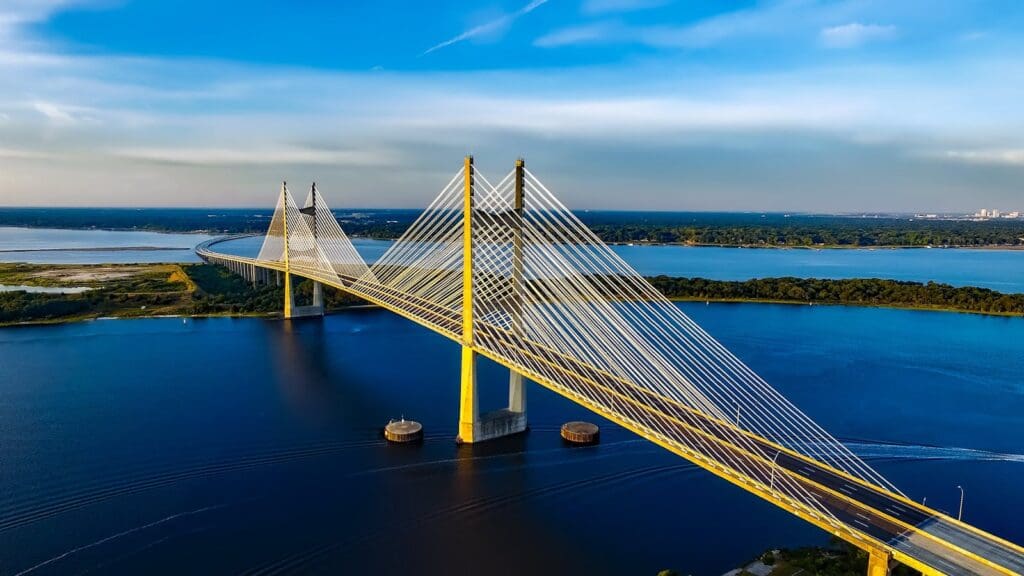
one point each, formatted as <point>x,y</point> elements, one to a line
<point>1001,270</point>
<point>45,289</point>
<point>59,246</point>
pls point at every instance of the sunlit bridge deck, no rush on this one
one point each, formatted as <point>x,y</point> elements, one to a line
<point>508,273</point>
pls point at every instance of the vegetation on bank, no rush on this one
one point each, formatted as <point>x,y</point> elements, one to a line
<point>821,231</point>
<point>136,290</point>
<point>855,292</point>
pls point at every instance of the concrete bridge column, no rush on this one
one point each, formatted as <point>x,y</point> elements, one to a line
<point>316,309</point>
<point>879,564</point>
<point>289,297</point>
<point>318,296</point>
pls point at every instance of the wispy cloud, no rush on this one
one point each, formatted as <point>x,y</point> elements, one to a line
<point>284,155</point>
<point>612,6</point>
<point>488,27</point>
<point>55,113</point>
<point>585,34</point>
<point>992,156</point>
<point>855,34</point>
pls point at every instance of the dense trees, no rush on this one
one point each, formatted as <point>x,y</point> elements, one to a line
<point>870,291</point>
<point>823,231</point>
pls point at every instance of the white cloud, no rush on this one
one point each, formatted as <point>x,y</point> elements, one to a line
<point>991,156</point>
<point>495,25</point>
<point>54,112</point>
<point>14,153</point>
<point>260,155</point>
<point>769,18</point>
<point>588,33</point>
<point>609,6</point>
<point>855,34</point>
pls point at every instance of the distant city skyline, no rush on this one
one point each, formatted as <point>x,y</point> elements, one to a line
<point>835,106</point>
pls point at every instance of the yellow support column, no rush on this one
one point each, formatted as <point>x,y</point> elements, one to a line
<point>468,406</point>
<point>878,564</point>
<point>516,388</point>
<point>287,276</point>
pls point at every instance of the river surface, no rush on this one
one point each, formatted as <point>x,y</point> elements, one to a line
<point>59,246</point>
<point>171,446</point>
<point>1001,270</point>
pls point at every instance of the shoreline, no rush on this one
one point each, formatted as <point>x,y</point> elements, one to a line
<point>846,304</point>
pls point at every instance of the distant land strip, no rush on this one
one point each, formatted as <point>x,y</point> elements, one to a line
<point>98,249</point>
<point>767,230</point>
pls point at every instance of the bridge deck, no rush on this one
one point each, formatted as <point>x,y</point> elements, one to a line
<point>914,534</point>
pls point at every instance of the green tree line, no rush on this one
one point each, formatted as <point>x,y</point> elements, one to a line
<point>861,291</point>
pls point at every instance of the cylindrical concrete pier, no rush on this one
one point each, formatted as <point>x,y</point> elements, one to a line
<point>581,432</point>
<point>403,431</point>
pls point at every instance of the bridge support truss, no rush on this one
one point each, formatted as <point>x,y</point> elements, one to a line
<point>473,426</point>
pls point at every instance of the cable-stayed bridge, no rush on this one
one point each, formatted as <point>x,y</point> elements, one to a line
<point>509,273</point>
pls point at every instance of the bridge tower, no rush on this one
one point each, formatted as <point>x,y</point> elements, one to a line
<point>289,298</point>
<point>317,308</point>
<point>473,426</point>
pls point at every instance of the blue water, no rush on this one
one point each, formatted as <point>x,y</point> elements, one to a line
<point>1001,270</point>
<point>231,444</point>
<point>38,245</point>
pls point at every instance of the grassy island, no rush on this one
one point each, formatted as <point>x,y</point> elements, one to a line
<point>140,290</point>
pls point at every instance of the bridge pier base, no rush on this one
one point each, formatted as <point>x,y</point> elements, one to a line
<point>475,427</point>
<point>293,311</point>
<point>879,564</point>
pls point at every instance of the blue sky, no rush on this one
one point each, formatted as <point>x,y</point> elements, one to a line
<point>786,105</point>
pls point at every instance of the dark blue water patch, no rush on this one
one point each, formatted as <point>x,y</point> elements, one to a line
<point>221,445</point>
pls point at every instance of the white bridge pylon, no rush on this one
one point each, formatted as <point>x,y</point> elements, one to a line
<point>311,241</point>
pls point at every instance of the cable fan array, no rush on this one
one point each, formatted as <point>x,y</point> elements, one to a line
<point>552,300</point>
<point>317,246</point>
